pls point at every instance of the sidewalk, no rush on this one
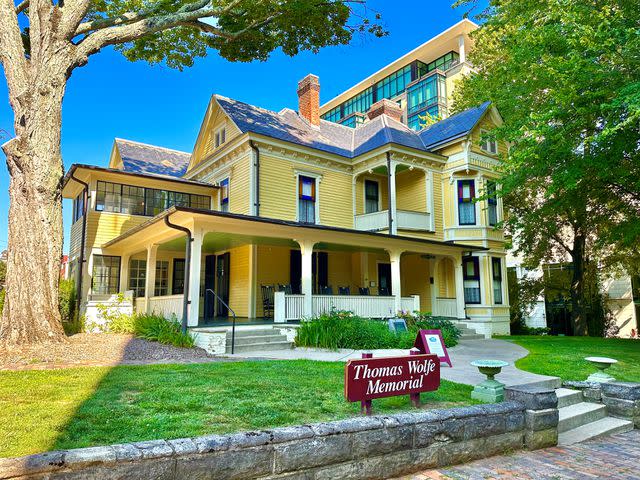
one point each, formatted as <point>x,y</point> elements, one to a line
<point>461,355</point>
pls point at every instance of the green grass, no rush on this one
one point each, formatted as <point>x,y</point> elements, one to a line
<point>80,407</point>
<point>564,356</point>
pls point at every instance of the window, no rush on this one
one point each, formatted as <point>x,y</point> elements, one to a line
<point>131,200</point>
<point>106,275</point>
<point>360,103</point>
<point>78,207</point>
<point>220,136</point>
<point>178,276</point>
<point>371,196</point>
<point>394,84</point>
<point>466,206</point>
<point>496,268</point>
<point>492,203</point>
<point>162,278</point>
<point>306,199</point>
<point>488,144</point>
<point>471,279</point>
<point>224,195</point>
<point>137,277</point>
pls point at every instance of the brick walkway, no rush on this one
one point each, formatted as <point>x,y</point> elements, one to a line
<point>615,457</point>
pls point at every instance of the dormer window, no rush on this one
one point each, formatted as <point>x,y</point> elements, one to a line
<point>220,136</point>
<point>488,145</point>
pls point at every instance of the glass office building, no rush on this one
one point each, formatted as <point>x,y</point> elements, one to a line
<point>419,88</point>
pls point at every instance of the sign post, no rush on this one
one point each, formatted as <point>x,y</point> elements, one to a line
<point>371,378</point>
<point>431,341</point>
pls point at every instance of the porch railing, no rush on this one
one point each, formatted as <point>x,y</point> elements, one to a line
<point>405,220</point>
<point>446,307</point>
<point>291,307</point>
<point>168,306</point>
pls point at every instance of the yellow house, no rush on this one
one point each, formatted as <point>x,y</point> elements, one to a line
<point>279,216</point>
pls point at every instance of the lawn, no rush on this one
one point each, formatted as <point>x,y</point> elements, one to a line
<point>58,409</point>
<point>564,356</point>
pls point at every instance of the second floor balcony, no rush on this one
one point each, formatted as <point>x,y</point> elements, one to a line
<point>405,220</point>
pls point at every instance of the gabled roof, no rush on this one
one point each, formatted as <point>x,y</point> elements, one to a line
<point>348,142</point>
<point>144,158</point>
<point>453,127</point>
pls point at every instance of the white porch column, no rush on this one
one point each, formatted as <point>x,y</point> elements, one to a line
<point>461,52</point>
<point>396,285</point>
<point>392,198</point>
<point>306,251</point>
<point>124,272</point>
<point>150,281</point>
<point>460,288</point>
<point>195,266</point>
<point>430,201</point>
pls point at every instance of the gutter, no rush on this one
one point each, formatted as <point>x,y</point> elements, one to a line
<point>85,202</point>
<point>256,164</point>
<point>187,268</point>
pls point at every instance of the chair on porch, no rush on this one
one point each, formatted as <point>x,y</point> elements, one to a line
<point>286,288</point>
<point>267,300</point>
<point>326,290</point>
<point>384,292</point>
<point>344,290</point>
<point>364,291</point>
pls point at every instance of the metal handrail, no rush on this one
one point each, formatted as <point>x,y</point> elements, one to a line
<point>233,325</point>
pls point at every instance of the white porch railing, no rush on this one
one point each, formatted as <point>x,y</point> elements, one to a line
<point>405,220</point>
<point>167,306</point>
<point>140,305</point>
<point>446,307</point>
<point>291,307</point>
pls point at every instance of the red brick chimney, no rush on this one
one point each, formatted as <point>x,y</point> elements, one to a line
<point>385,107</point>
<point>309,99</point>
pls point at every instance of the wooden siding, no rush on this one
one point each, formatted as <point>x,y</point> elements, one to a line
<point>411,191</point>
<point>239,187</point>
<point>414,271</point>
<point>383,191</point>
<point>239,277</point>
<point>214,119</point>
<point>75,239</point>
<point>485,124</point>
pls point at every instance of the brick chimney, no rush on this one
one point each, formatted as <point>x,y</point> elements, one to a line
<point>309,99</point>
<point>385,107</point>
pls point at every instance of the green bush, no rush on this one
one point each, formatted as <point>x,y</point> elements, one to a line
<point>150,327</point>
<point>345,330</point>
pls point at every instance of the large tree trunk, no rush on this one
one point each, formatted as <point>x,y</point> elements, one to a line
<point>34,162</point>
<point>578,313</point>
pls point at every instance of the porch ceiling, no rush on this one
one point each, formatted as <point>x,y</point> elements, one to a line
<point>224,230</point>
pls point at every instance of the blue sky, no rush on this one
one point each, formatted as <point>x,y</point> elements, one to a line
<point>111,97</point>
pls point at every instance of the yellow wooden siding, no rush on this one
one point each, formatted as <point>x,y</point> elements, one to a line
<point>383,183</point>
<point>214,119</point>
<point>239,277</point>
<point>411,191</point>
<point>476,137</point>
<point>446,278</point>
<point>415,274</point>
<point>278,191</point>
<point>449,204</point>
<point>105,226</point>
<point>239,187</point>
<point>451,149</point>
<point>340,272</point>
<point>75,239</point>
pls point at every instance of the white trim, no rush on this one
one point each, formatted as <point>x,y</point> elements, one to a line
<point>318,178</point>
<point>366,178</point>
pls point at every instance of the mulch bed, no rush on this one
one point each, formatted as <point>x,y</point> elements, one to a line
<point>98,349</point>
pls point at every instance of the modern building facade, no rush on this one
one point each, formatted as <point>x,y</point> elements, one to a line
<point>285,215</point>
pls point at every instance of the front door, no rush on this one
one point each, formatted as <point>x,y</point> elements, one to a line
<point>384,279</point>
<point>222,281</point>
<point>209,284</point>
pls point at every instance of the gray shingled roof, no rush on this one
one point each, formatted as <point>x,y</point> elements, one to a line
<point>348,142</point>
<point>143,158</point>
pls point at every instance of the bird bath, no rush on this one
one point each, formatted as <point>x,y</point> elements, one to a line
<point>490,390</point>
<point>601,363</point>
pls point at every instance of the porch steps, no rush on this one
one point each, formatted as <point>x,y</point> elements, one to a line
<point>468,333</point>
<point>580,420</point>
<point>257,340</point>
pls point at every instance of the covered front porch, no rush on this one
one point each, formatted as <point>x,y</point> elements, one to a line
<point>264,270</point>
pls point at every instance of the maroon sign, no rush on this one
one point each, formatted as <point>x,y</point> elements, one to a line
<point>431,341</point>
<point>390,376</point>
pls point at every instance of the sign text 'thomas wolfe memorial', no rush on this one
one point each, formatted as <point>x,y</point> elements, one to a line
<point>371,378</point>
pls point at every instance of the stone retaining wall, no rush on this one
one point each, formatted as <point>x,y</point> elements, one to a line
<point>375,447</point>
<point>622,399</point>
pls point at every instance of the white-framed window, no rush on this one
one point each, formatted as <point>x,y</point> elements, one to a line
<point>224,195</point>
<point>306,199</point>
<point>137,277</point>
<point>371,196</point>
<point>488,144</point>
<point>220,136</point>
<point>466,205</point>
<point>496,274</point>
<point>162,278</point>
<point>492,203</point>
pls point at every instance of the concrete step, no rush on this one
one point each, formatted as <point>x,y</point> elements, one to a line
<point>580,414</point>
<point>260,346</point>
<point>471,336</point>
<point>262,332</point>
<point>568,397</point>
<point>247,340</point>
<point>599,428</point>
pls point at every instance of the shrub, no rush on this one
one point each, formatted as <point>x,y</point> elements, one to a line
<point>150,327</point>
<point>345,330</point>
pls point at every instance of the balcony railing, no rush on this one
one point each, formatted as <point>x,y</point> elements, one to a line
<point>405,220</point>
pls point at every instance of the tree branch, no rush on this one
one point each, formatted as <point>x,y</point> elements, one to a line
<point>22,6</point>
<point>12,55</point>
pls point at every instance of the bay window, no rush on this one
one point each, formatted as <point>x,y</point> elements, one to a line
<point>306,199</point>
<point>466,205</point>
<point>372,196</point>
<point>492,204</point>
<point>471,279</point>
<point>496,270</point>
